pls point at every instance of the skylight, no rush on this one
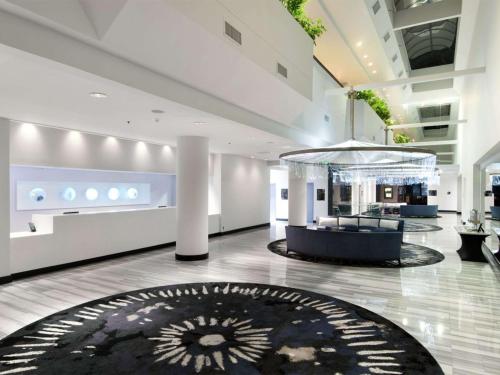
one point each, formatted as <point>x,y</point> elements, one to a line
<point>435,113</point>
<point>432,44</point>
<point>406,4</point>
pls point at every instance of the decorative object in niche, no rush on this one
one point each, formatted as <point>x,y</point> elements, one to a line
<point>320,194</point>
<point>448,193</point>
<point>432,193</point>
<point>113,194</point>
<point>37,195</point>
<point>132,193</point>
<point>91,194</point>
<point>388,192</point>
<point>284,194</point>
<point>488,193</point>
<point>69,194</point>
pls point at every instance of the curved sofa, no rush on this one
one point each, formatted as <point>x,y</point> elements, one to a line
<point>411,210</point>
<point>365,246</point>
<point>495,212</point>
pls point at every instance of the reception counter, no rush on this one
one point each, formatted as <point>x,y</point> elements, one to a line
<point>62,239</point>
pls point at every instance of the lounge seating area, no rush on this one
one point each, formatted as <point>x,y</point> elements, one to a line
<point>418,211</point>
<point>348,238</point>
<point>495,212</point>
<point>360,224</point>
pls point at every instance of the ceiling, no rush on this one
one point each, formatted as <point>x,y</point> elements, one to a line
<point>43,92</point>
<point>369,48</point>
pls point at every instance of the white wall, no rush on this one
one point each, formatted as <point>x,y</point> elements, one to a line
<point>480,98</point>
<point>37,145</point>
<point>279,177</point>
<point>244,192</point>
<point>269,34</point>
<point>4,199</point>
<point>162,188</point>
<point>445,201</point>
<point>333,106</point>
<point>214,184</point>
<point>368,127</point>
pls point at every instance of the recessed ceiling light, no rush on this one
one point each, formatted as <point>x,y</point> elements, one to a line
<point>200,123</point>
<point>365,56</point>
<point>370,64</point>
<point>98,95</point>
<point>253,157</point>
<point>159,111</point>
<point>374,71</point>
<point>359,44</point>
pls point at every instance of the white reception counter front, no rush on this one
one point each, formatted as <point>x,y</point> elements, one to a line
<point>71,238</point>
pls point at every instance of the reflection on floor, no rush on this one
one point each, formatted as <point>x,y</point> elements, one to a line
<point>452,307</point>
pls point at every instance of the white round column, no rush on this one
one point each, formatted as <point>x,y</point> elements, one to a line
<point>297,199</point>
<point>192,198</point>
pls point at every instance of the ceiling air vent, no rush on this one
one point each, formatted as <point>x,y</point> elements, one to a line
<point>387,36</point>
<point>400,74</point>
<point>327,118</point>
<point>282,70</point>
<point>395,57</point>
<point>376,7</point>
<point>232,32</point>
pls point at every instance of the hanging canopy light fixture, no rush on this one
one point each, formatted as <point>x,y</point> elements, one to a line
<point>356,161</point>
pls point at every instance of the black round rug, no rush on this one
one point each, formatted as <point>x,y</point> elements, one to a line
<point>215,328</point>
<point>412,226</point>
<point>411,256</point>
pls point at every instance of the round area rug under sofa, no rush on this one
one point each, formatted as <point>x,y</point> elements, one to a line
<point>234,328</point>
<point>355,240</point>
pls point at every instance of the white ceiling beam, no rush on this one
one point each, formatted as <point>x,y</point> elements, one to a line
<point>424,124</point>
<point>445,153</point>
<point>405,81</point>
<point>431,143</point>
<point>439,11</point>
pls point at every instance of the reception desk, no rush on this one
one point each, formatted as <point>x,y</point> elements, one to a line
<point>62,239</point>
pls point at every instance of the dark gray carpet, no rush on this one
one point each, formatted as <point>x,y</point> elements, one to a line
<point>215,328</point>
<point>412,226</point>
<point>411,256</point>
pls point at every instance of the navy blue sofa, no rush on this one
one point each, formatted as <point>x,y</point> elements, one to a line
<point>356,223</point>
<point>415,210</point>
<point>495,212</point>
<point>365,246</point>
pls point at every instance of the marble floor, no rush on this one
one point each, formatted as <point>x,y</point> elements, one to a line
<point>452,308</point>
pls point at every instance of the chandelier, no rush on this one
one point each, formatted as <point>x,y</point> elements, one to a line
<point>353,160</point>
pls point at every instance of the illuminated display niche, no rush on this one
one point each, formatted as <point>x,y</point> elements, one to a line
<point>43,195</point>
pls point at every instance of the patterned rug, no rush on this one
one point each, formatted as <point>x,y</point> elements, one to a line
<point>412,226</point>
<point>215,328</point>
<point>411,256</point>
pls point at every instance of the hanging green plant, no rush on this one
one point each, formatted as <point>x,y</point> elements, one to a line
<point>378,105</point>
<point>401,138</point>
<point>312,27</point>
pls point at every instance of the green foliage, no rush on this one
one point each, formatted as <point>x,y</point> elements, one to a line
<point>312,27</point>
<point>401,138</point>
<point>379,105</point>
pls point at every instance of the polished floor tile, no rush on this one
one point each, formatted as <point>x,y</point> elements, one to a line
<point>452,308</point>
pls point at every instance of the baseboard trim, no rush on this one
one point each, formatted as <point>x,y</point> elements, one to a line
<point>59,267</point>
<point>450,211</point>
<point>280,219</point>
<point>232,231</point>
<point>5,279</point>
<point>189,258</point>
